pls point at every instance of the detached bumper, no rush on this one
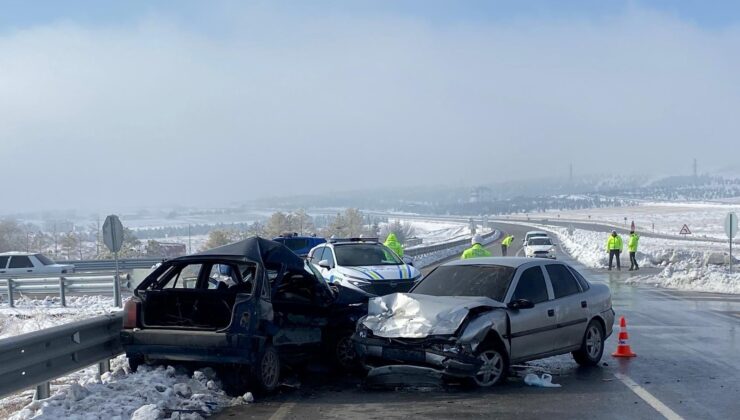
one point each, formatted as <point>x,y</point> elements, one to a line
<point>379,352</point>
<point>190,346</point>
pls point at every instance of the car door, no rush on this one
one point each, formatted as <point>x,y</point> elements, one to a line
<point>570,305</point>
<point>533,330</point>
<point>20,264</point>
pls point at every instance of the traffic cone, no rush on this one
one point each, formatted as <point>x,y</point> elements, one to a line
<point>623,349</point>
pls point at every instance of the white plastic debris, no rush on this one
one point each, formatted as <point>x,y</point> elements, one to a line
<point>544,381</point>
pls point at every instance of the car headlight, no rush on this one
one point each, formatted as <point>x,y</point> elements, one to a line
<point>357,281</point>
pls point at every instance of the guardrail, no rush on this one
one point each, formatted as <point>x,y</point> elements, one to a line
<point>62,285</point>
<point>36,358</point>
<point>110,265</point>
<point>417,251</point>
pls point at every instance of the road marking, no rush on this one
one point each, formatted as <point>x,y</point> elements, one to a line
<point>282,411</point>
<point>648,397</point>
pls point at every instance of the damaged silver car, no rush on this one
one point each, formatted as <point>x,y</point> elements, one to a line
<point>472,319</point>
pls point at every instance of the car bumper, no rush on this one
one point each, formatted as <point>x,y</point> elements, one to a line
<point>190,346</point>
<point>378,353</point>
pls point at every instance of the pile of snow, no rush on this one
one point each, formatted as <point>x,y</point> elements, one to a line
<point>687,265</point>
<point>31,315</point>
<point>147,394</point>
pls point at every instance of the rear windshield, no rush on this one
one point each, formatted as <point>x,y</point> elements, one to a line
<point>540,241</point>
<point>44,259</point>
<point>352,255</point>
<point>467,280</point>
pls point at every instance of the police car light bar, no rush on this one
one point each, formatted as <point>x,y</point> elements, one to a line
<point>334,240</point>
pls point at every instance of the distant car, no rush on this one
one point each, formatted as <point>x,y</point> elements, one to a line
<point>248,309</point>
<point>365,265</point>
<point>472,319</point>
<point>534,234</point>
<point>539,247</point>
<point>27,263</point>
<point>301,245</point>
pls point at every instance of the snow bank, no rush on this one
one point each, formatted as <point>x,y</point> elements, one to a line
<point>697,266</point>
<point>31,315</point>
<point>150,393</point>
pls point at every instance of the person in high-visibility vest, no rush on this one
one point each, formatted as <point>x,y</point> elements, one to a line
<point>392,242</point>
<point>506,243</point>
<point>614,247</point>
<point>477,250</point>
<point>632,248</point>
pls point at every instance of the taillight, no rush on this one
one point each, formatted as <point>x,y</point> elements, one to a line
<point>131,314</point>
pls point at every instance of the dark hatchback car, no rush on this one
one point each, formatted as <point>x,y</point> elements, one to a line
<point>248,308</point>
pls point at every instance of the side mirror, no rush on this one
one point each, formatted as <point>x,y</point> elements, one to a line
<point>520,304</point>
<point>325,264</point>
<point>409,261</point>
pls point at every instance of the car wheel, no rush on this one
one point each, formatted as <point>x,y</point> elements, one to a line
<point>267,370</point>
<point>494,369</point>
<point>592,346</point>
<point>346,353</point>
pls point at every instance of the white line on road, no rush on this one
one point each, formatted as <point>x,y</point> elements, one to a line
<point>282,411</point>
<point>648,398</point>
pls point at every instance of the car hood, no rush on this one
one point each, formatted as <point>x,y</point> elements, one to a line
<point>380,272</point>
<point>539,247</point>
<point>405,315</point>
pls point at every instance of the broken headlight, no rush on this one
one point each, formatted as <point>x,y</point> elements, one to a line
<point>453,348</point>
<point>363,331</point>
<point>355,281</point>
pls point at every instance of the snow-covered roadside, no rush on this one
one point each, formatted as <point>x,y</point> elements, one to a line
<point>696,266</point>
<point>31,315</point>
<point>428,259</point>
<point>150,393</point>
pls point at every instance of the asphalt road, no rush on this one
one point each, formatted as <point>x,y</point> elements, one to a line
<point>687,367</point>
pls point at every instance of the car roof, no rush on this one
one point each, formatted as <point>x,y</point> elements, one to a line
<point>513,262</point>
<point>536,232</point>
<point>17,253</point>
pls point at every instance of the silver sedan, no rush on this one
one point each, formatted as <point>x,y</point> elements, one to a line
<point>473,318</point>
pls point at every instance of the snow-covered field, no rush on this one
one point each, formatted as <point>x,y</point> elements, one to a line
<point>696,265</point>
<point>35,314</point>
<point>433,232</point>
<point>148,394</point>
<point>703,219</point>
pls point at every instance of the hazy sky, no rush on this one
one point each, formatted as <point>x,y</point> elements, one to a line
<point>205,103</point>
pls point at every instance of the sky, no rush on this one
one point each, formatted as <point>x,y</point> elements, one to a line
<point>154,103</point>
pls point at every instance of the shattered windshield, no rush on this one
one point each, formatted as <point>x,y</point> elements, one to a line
<point>352,255</point>
<point>467,280</point>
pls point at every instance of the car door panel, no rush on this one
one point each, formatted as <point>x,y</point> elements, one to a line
<point>572,314</point>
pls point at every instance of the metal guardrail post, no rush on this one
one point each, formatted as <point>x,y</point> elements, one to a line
<point>43,391</point>
<point>103,367</point>
<point>117,290</point>
<point>10,293</point>
<point>62,295</point>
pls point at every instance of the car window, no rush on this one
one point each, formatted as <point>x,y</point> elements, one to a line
<point>531,286</point>
<point>328,255</point>
<point>585,285</point>
<point>181,277</point>
<point>20,261</point>
<point>467,280</point>
<point>563,282</point>
<point>44,259</point>
<point>353,255</point>
<point>4,262</point>
<point>296,244</point>
<point>316,256</point>
<point>539,241</point>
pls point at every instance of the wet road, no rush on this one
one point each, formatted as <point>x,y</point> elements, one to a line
<point>687,367</point>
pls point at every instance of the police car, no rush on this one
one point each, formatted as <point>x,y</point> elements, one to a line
<point>363,264</point>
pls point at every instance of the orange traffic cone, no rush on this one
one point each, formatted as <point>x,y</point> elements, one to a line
<point>623,349</point>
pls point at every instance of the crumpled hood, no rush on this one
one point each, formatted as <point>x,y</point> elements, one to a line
<point>404,315</point>
<point>381,272</point>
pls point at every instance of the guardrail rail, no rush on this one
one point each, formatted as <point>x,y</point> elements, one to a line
<point>61,285</point>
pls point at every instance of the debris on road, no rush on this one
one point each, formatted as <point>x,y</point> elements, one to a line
<point>544,381</point>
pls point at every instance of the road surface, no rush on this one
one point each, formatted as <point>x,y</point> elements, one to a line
<point>687,366</point>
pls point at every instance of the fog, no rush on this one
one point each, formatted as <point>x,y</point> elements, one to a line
<point>155,110</point>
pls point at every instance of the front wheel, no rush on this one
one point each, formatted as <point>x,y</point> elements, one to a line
<point>494,369</point>
<point>592,346</point>
<point>267,371</point>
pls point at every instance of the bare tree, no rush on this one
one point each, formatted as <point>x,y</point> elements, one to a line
<point>402,230</point>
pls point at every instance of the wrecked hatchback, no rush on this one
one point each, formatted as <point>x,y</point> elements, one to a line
<point>472,319</point>
<point>249,308</point>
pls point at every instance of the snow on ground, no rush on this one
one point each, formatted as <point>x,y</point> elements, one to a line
<point>703,219</point>
<point>147,394</point>
<point>35,314</point>
<point>434,232</point>
<point>696,266</point>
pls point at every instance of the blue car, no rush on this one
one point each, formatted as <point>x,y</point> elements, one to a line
<point>301,245</point>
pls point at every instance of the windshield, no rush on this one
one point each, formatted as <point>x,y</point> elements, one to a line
<point>351,255</point>
<point>44,259</point>
<point>467,280</point>
<point>540,241</point>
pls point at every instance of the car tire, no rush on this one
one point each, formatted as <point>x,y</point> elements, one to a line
<point>266,373</point>
<point>592,345</point>
<point>495,366</point>
<point>345,354</point>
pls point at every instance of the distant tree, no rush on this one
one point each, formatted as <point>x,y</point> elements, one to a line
<point>153,249</point>
<point>278,224</point>
<point>301,222</point>
<point>12,237</point>
<point>218,237</point>
<point>402,230</point>
<point>68,242</point>
<point>348,224</point>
